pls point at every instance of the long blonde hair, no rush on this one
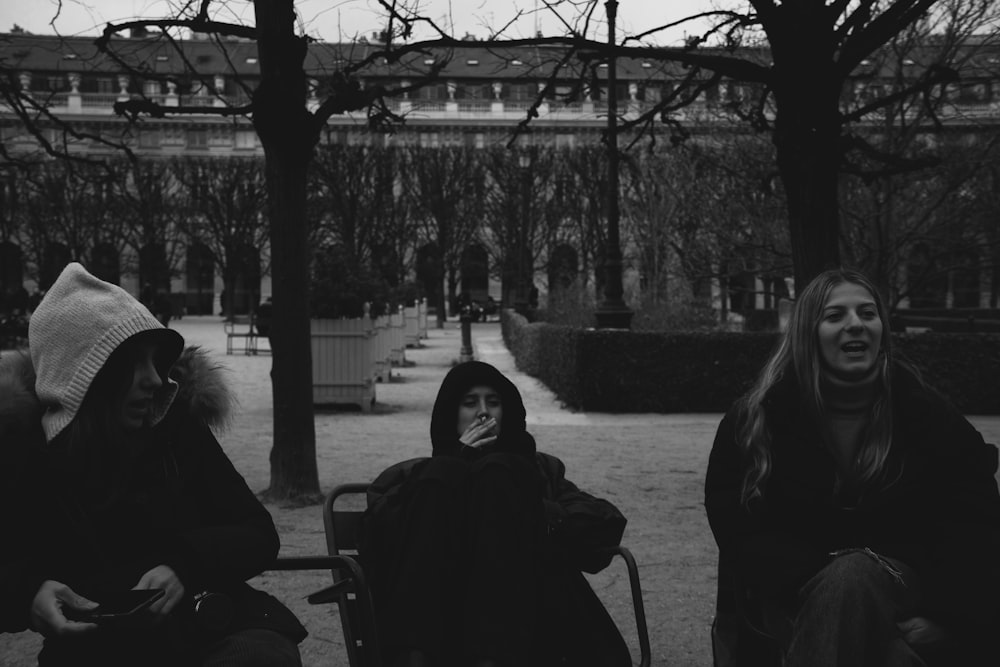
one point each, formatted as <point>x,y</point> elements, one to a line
<point>797,356</point>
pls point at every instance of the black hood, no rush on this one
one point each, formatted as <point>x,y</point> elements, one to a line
<point>458,381</point>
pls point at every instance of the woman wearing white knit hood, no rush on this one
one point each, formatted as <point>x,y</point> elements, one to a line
<point>114,481</point>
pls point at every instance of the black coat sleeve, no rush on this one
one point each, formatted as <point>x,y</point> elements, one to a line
<point>578,524</point>
<point>23,497</point>
<point>232,537</point>
<point>962,583</point>
<point>770,555</point>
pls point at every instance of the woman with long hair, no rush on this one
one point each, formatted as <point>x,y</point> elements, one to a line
<point>115,487</point>
<point>858,507</point>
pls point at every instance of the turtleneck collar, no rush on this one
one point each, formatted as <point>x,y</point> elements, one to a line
<point>849,396</point>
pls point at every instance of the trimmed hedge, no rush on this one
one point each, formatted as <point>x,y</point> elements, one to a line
<point>625,371</point>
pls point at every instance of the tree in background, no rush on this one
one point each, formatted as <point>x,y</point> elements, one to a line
<point>445,189</point>
<point>223,200</point>
<point>71,213</point>
<point>788,64</point>
<point>783,68</point>
<point>146,201</point>
<point>289,131</point>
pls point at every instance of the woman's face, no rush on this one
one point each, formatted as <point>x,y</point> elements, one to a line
<point>480,403</point>
<point>135,405</point>
<point>850,331</point>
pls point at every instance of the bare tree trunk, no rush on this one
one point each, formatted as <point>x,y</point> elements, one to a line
<point>288,135</point>
<point>807,141</point>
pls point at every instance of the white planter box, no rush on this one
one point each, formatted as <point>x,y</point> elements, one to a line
<point>381,350</point>
<point>412,328</point>
<point>422,305</point>
<point>342,353</point>
<point>397,343</point>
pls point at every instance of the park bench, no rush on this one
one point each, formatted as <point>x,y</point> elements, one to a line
<point>241,327</point>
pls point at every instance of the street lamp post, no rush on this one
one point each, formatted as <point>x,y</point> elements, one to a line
<point>612,313</point>
<point>522,258</point>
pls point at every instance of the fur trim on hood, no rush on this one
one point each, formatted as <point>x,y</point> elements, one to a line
<point>203,394</point>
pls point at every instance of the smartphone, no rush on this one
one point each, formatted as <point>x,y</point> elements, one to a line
<point>119,604</point>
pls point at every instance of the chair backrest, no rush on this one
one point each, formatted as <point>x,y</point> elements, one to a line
<point>343,510</point>
<point>342,517</point>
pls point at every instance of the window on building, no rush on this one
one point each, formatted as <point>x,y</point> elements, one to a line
<point>172,135</point>
<point>433,92</point>
<point>335,137</point>
<point>565,140</point>
<point>711,94</point>
<point>474,91</point>
<point>220,136</point>
<point>430,139</point>
<point>562,92</point>
<point>197,139</point>
<point>149,139</point>
<point>522,92</point>
<point>246,139</point>
<point>151,88</point>
<point>106,86</point>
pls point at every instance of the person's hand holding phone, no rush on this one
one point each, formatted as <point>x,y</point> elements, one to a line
<point>162,577</point>
<point>53,604</point>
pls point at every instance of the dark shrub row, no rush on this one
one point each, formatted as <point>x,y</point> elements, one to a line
<point>624,371</point>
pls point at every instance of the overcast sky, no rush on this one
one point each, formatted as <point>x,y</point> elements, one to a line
<point>333,20</point>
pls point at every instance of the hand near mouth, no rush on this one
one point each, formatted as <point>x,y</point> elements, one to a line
<point>480,432</point>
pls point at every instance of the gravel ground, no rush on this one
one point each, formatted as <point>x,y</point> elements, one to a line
<point>650,465</point>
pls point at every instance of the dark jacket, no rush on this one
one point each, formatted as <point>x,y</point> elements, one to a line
<point>182,503</point>
<point>577,522</point>
<point>937,509</point>
<point>576,526</point>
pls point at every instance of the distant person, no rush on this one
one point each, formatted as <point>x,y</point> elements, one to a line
<point>491,308</point>
<point>264,318</point>
<point>112,480</point>
<point>475,553</point>
<point>859,508</point>
<point>163,308</point>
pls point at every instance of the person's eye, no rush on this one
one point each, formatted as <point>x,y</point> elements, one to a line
<point>869,314</point>
<point>493,402</point>
<point>832,316</point>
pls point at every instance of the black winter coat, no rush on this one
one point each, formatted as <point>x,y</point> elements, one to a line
<point>180,503</point>
<point>938,513</point>
<point>551,531</point>
<point>577,523</point>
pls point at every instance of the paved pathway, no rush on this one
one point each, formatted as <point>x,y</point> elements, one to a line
<point>650,465</point>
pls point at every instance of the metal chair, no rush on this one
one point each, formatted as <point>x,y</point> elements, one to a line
<point>342,531</point>
<point>349,588</point>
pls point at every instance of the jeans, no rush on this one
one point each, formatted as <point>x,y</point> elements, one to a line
<point>847,616</point>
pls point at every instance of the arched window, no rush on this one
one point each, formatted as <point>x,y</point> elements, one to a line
<point>11,267</point>
<point>104,263</point>
<point>563,267</point>
<point>55,257</point>
<point>475,272</point>
<point>200,279</point>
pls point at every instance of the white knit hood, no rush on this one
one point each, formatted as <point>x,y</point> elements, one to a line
<point>74,330</point>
